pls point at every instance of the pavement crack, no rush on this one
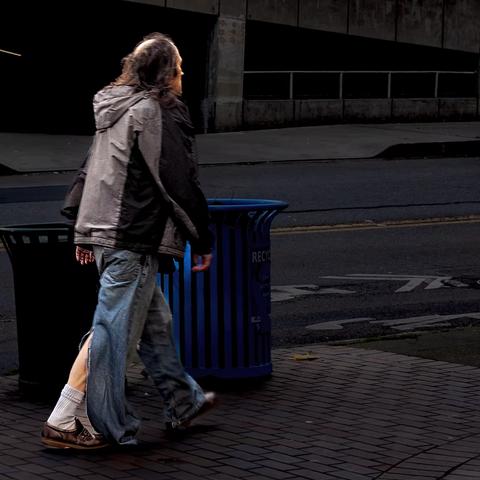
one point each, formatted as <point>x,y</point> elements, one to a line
<point>427,450</point>
<point>374,207</point>
<point>445,475</point>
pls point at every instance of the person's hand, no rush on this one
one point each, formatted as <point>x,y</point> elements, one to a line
<point>84,256</point>
<point>202,262</point>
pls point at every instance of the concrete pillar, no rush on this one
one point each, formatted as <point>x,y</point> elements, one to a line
<point>227,51</point>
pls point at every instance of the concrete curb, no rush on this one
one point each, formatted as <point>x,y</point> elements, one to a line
<point>467,148</point>
<point>4,170</point>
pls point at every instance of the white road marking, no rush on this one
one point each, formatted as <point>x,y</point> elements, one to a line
<point>401,324</point>
<point>438,283</point>
<point>8,52</point>
<point>281,293</point>
<point>412,284</point>
<point>337,324</point>
<point>287,292</point>
<point>413,281</point>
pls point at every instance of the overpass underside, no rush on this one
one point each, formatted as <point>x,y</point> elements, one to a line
<point>253,63</point>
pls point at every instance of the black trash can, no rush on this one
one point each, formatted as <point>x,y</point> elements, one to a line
<point>222,317</point>
<point>55,298</point>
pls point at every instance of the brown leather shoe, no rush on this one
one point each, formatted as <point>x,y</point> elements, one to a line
<point>80,438</point>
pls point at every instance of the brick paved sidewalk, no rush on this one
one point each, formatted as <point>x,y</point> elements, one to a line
<point>349,414</point>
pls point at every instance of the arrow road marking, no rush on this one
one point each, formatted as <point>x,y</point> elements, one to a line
<point>337,324</point>
<point>287,292</point>
<point>401,324</point>
<point>413,281</point>
<point>410,285</point>
<point>282,293</point>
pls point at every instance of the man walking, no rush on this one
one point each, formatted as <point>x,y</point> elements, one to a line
<point>136,201</point>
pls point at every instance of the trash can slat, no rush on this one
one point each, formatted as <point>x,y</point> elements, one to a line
<point>200,317</point>
<point>240,292</point>
<point>228,337</point>
<point>213,311</point>
<point>188,326</point>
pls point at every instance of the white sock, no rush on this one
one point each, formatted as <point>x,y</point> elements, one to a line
<point>63,415</point>
<point>82,415</point>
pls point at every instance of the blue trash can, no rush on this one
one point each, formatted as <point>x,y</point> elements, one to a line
<point>222,317</point>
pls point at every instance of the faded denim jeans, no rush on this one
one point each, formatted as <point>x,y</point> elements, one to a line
<point>132,314</point>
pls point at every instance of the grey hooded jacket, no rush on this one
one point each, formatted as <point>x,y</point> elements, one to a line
<point>138,189</point>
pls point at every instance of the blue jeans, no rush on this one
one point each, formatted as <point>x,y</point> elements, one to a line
<point>132,314</point>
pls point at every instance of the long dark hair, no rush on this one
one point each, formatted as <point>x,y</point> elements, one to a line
<point>152,68</point>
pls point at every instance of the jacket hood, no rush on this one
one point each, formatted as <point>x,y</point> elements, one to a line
<point>110,103</point>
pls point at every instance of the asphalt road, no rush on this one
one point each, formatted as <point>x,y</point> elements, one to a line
<point>368,278</point>
<point>319,192</point>
<point>336,285</point>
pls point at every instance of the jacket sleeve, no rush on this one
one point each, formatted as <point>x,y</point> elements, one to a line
<point>72,200</point>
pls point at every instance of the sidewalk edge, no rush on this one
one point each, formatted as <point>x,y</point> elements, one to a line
<point>466,148</point>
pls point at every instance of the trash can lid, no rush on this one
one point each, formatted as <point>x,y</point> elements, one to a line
<point>35,227</point>
<point>245,204</point>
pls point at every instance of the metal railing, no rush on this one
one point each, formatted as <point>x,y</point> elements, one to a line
<point>387,83</point>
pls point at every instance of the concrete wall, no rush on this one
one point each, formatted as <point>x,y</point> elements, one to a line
<point>417,109</point>
<point>200,6</point>
<point>274,11</point>
<point>226,116</point>
<point>458,108</point>
<point>454,24</point>
<point>328,15</point>
<point>462,25</point>
<point>233,8</point>
<point>158,3</point>
<point>374,19</point>
<point>283,113</point>
<point>268,113</point>
<point>377,109</point>
<point>314,111</point>
<point>420,21</point>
